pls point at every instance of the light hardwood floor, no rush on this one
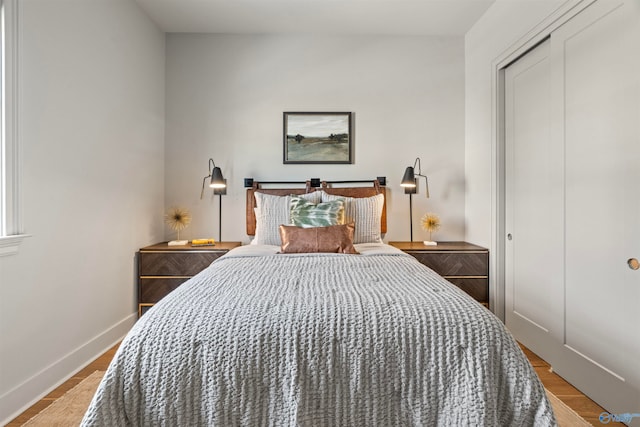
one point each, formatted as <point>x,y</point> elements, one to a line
<point>100,364</point>
<point>584,406</point>
<point>571,396</point>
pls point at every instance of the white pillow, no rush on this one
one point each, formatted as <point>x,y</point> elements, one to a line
<point>271,212</point>
<point>365,212</point>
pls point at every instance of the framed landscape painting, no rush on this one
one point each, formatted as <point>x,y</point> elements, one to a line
<point>317,138</point>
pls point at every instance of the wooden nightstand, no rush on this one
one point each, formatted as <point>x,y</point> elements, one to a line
<point>162,268</point>
<point>461,263</point>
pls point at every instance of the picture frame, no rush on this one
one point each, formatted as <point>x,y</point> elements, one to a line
<point>317,138</point>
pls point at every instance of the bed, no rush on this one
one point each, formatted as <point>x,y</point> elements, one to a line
<point>318,339</point>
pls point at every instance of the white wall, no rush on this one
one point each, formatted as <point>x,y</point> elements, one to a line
<point>226,95</point>
<point>504,23</point>
<point>92,135</point>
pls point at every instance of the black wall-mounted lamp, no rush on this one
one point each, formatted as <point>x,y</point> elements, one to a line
<point>410,184</point>
<point>219,185</point>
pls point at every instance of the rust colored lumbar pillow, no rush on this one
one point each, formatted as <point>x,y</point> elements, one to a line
<point>333,239</point>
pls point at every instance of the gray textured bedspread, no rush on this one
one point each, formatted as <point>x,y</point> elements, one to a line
<point>319,340</point>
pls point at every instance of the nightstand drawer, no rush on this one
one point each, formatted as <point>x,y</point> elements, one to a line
<point>455,263</point>
<point>163,268</point>
<point>175,264</point>
<point>152,289</point>
<point>464,264</point>
<point>477,288</point>
<point>143,308</point>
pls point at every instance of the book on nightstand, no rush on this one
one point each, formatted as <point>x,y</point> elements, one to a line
<point>203,242</point>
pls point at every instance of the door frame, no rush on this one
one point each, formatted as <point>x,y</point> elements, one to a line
<point>539,33</point>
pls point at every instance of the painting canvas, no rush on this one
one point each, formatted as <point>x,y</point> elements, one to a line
<point>317,138</point>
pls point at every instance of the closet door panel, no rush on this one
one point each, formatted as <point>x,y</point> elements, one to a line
<point>534,269</point>
<point>598,79</point>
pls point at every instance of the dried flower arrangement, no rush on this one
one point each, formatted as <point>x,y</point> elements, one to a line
<point>430,222</point>
<point>177,219</point>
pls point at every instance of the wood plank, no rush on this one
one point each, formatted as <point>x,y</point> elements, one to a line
<point>535,360</point>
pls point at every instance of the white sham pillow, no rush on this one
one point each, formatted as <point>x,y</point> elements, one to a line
<point>365,212</point>
<point>271,211</point>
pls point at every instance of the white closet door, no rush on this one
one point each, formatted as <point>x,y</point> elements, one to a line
<point>534,263</point>
<point>595,59</point>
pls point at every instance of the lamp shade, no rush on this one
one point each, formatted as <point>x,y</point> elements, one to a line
<point>409,178</point>
<point>217,181</point>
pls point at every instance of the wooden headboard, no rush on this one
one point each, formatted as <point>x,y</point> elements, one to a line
<point>327,186</point>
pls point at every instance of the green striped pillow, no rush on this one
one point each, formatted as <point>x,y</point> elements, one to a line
<point>304,213</point>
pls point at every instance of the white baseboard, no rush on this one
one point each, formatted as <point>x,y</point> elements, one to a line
<point>17,400</point>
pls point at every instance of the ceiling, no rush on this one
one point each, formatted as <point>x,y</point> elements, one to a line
<point>339,17</point>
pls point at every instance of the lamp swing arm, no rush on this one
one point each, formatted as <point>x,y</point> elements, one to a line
<point>203,181</point>
<point>417,163</point>
<point>426,180</point>
<point>215,173</point>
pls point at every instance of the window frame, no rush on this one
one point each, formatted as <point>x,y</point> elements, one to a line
<point>11,227</point>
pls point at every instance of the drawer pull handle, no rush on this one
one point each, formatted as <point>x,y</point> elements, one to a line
<point>633,263</point>
<point>509,236</point>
